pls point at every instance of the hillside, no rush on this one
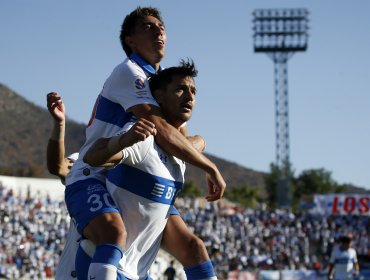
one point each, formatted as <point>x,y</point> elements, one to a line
<point>25,130</point>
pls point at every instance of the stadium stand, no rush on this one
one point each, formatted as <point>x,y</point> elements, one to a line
<point>243,243</point>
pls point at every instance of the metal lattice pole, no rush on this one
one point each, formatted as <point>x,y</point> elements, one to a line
<point>281,108</point>
<point>279,33</point>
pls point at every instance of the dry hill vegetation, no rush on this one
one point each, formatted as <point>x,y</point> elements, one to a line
<point>25,130</point>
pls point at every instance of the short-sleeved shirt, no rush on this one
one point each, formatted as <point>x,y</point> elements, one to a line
<point>343,261</point>
<point>86,195</point>
<point>144,187</point>
<point>126,87</point>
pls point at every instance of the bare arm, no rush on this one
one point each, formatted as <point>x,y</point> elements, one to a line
<point>173,142</point>
<point>357,268</point>
<point>55,153</point>
<point>108,151</point>
<point>198,142</point>
<point>331,271</point>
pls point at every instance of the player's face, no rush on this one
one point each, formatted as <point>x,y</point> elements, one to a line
<point>346,245</point>
<point>149,39</point>
<point>178,100</point>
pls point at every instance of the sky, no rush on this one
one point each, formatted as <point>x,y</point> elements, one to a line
<point>72,46</point>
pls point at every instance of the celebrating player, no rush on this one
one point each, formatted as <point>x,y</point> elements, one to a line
<point>60,165</point>
<point>126,93</point>
<point>177,239</point>
<point>147,179</point>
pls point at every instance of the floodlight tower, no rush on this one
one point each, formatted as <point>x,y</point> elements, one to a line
<point>280,33</point>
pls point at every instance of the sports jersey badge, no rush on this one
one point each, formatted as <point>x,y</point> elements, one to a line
<point>139,83</point>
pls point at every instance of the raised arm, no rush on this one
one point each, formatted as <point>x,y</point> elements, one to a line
<point>55,153</point>
<point>173,142</point>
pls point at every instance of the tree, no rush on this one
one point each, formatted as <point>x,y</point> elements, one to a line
<point>315,181</point>
<point>244,195</point>
<point>271,182</point>
<point>35,170</point>
<point>190,189</point>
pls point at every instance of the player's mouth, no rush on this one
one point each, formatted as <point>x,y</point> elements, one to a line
<point>188,107</point>
<point>159,43</point>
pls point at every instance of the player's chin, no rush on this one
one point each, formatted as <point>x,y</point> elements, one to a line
<point>160,52</point>
<point>185,115</point>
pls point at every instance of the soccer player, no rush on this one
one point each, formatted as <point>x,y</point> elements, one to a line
<point>126,93</point>
<point>60,165</point>
<point>147,179</point>
<point>343,261</point>
<point>177,238</point>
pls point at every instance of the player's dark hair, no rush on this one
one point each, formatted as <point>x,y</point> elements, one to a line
<point>130,22</point>
<point>345,239</point>
<point>164,77</point>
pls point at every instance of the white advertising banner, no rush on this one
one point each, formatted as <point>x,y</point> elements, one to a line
<point>342,204</point>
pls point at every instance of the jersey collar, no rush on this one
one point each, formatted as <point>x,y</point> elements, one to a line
<point>149,69</point>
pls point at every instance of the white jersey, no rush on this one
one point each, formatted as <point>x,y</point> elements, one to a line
<point>66,266</point>
<point>127,86</point>
<point>144,187</point>
<point>343,261</point>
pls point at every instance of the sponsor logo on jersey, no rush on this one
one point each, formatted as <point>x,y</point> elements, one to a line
<point>158,190</point>
<point>95,188</point>
<point>163,158</point>
<point>139,83</point>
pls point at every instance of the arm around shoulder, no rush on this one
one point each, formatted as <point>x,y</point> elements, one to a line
<point>108,152</point>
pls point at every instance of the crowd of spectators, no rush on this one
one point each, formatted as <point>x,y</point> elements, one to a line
<point>254,239</point>
<point>33,231</point>
<point>32,235</point>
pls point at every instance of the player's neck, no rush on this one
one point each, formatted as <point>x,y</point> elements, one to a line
<point>150,67</point>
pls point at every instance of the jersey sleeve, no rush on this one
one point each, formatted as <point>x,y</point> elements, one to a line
<point>128,86</point>
<point>137,152</point>
<point>355,260</point>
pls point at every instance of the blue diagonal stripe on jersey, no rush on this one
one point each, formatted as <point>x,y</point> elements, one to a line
<point>111,112</point>
<point>344,260</point>
<point>143,184</point>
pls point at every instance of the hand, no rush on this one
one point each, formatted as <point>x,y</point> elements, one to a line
<point>56,106</point>
<point>141,130</point>
<point>216,186</point>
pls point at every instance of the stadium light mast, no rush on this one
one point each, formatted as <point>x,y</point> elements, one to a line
<point>280,33</point>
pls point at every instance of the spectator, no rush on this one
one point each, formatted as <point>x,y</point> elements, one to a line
<point>170,272</point>
<point>343,260</point>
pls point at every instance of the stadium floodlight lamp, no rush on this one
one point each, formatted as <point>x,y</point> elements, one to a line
<point>280,30</point>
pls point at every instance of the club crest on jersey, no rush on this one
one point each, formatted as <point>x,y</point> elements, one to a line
<point>139,83</point>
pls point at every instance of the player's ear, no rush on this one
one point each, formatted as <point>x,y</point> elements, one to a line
<point>130,42</point>
<point>159,95</point>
